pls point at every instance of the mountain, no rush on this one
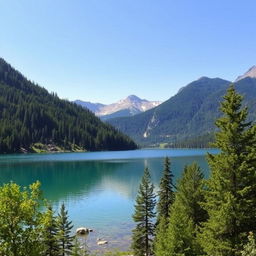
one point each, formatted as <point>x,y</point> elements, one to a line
<point>33,119</point>
<point>94,107</point>
<point>188,117</point>
<point>250,73</point>
<point>129,106</point>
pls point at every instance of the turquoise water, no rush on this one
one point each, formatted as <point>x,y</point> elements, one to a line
<point>98,188</point>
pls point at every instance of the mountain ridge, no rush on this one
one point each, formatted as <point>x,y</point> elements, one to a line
<point>129,106</point>
<point>251,72</point>
<point>32,117</point>
<point>189,114</point>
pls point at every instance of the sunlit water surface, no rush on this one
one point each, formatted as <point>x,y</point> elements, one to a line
<point>98,188</point>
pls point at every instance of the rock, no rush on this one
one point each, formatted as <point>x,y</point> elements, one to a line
<point>82,231</point>
<point>90,230</point>
<point>102,242</point>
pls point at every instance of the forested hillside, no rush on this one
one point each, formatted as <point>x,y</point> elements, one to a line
<point>29,115</point>
<point>186,119</point>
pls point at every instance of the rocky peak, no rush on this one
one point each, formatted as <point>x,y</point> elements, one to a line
<point>133,98</point>
<point>250,73</point>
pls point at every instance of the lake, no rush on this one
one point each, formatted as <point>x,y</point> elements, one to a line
<point>98,188</point>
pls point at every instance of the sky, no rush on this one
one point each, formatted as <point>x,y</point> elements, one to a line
<point>105,50</point>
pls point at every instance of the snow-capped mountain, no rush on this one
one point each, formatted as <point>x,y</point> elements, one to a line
<point>126,107</point>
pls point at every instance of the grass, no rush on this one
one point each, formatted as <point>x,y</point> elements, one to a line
<point>46,148</point>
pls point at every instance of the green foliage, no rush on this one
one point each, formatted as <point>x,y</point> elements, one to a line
<point>20,220</point>
<point>186,215</point>
<point>144,215</point>
<point>165,200</point>
<point>249,248</point>
<point>49,234</point>
<point>160,242</point>
<point>186,119</point>
<point>25,230</point>
<point>77,249</point>
<point>165,193</point>
<point>29,115</point>
<point>201,141</point>
<point>231,194</point>
<point>116,253</point>
<point>64,227</point>
<point>178,119</point>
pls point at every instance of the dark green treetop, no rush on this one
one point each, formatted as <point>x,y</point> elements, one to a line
<point>186,214</point>
<point>165,193</point>
<point>144,215</point>
<point>49,233</point>
<point>29,115</point>
<point>64,228</point>
<point>231,194</point>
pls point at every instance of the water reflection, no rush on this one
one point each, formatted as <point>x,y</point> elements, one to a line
<point>98,194</point>
<point>62,180</point>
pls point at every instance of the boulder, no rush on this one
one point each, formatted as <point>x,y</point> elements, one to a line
<point>102,242</point>
<point>82,231</point>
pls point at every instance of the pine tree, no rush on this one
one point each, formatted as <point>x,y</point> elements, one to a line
<point>186,215</point>
<point>166,194</point>
<point>160,244</point>
<point>64,227</point>
<point>143,234</point>
<point>77,249</point>
<point>166,198</point>
<point>49,233</point>
<point>231,194</point>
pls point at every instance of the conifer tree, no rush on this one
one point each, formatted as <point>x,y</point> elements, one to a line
<point>77,250</point>
<point>166,194</point>
<point>49,234</point>
<point>231,194</point>
<point>186,215</point>
<point>160,243</point>
<point>165,200</point>
<point>143,234</point>
<point>64,227</point>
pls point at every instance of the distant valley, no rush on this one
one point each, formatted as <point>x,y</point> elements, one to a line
<point>129,106</point>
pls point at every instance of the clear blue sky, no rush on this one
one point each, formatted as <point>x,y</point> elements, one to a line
<point>104,50</point>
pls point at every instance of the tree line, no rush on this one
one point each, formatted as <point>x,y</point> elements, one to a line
<point>29,114</point>
<point>214,216</point>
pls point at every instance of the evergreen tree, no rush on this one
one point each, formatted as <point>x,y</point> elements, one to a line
<point>77,249</point>
<point>231,194</point>
<point>143,234</point>
<point>49,234</point>
<point>31,118</point>
<point>186,215</point>
<point>166,194</point>
<point>166,198</point>
<point>160,244</point>
<point>64,227</point>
